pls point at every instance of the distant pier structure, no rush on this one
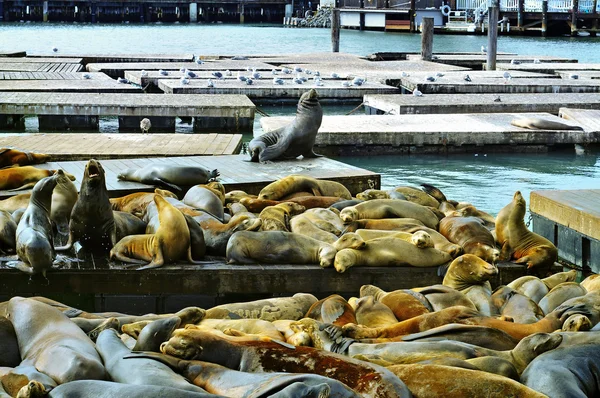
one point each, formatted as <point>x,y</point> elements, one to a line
<point>227,11</point>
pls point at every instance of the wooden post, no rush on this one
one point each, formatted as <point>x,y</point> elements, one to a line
<point>241,8</point>
<point>520,13</point>
<point>427,39</point>
<point>413,14</point>
<point>574,12</point>
<point>1,10</point>
<point>193,12</point>
<point>544,17</point>
<point>45,11</point>
<point>492,48</point>
<point>335,30</point>
<point>361,21</point>
<point>595,23</point>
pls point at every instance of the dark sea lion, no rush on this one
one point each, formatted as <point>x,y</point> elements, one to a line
<point>298,183</point>
<point>426,381</point>
<point>128,224</point>
<point>559,294</point>
<point>217,234</point>
<point>169,176</point>
<point>535,123</point>
<point>515,305</point>
<point>247,247</point>
<point>471,235</point>
<point>156,333</point>
<point>218,379</point>
<point>92,221</point>
<point>8,233</point>
<point>9,347</point>
<point>10,157</point>
<point>197,243</point>
<point>389,208</point>
<point>342,204</point>
<point>333,309</point>
<point>139,371</point>
<point>34,238</point>
<point>107,389</point>
<point>137,202</point>
<point>294,139</point>
<point>260,356</point>
<point>518,242</point>
<point>17,178</point>
<point>204,198</point>
<point>52,343</point>
<point>273,309</point>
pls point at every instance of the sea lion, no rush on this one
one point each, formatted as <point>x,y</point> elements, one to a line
<point>52,343</point>
<point>9,347</point>
<point>197,242</point>
<point>342,204</point>
<point>298,183</point>
<point>217,234</point>
<point>291,308</point>
<point>10,157</point>
<point>107,389</point>
<point>92,221</point>
<point>218,379</point>
<point>404,304</point>
<point>373,313</point>
<point>170,243</point>
<point>169,176</point>
<point>480,336</point>
<point>127,224</point>
<point>260,356</point>
<point>301,224</point>
<point>386,224</point>
<point>34,238</point>
<point>294,139</point>
<point>326,219</point>
<point>577,323</point>
<point>137,202</point>
<point>8,233</point>
<point>370,194</point>
<point>536,123</point>
<point>439,241</point>
<point>536,288</point>
<point>471,211</point>
<point>470,275</point>
<point>207,199</point>
<point>388,208</point>
<point>245,326</point>
<point>559,294</point>
<point>420,239</point>
<point>256,205</point>
<point>64,198</point>
<point>515,305</point>
<point>236,208</point>
<point>417,196</point>
<point>440,297</point>
<point>277,218</point>
<point>17,178</point>
<point>471,235</point>
<point>389,252</point>
<point>333,309</point>
<point>591,283</point>
<point>426,381</point>
<point>518,242</point>
<point>236,196</point>
<point>139,371</point>
<point>156,333</point>
<point>15,202</point>
<point>247,247</point>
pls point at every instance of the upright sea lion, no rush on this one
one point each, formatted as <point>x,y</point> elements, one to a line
<point>388,208</point>
<point>169,176</point>
<point>8,233</point>
<point>107,389</point>
<point>92,221</point>
<point>536,123</point>
<point>10,157</point>
<point>64,198</point>
<point>292,308</point>
<point>34,239</point>
<point>207,199</point>
<point>294,139</point>
<point>471,235</point>
<point>298,183</point>
<point>260,356</point>
<point>24,177</point>
<point>52,343</point>
<point>136,203</point>
<point>518,242</point>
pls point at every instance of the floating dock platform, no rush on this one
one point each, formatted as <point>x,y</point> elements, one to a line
<point>53,76</point>
<point>549,67</point>
<point>11,66</point>
<point>588,119</point>
<point>73,86</point>
<point>478,61</point>
<point>437,133</point>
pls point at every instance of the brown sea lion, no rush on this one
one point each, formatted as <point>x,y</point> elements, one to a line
<point>333,309</point>
<point>15,202</point>
<point>471,235</point>
<point>559,294</point>
<point>137,202</point>
<point>277,218</point>
<point>471,211</point>
<point>291,308</point>
<point>10,157</point>
<point>536,123</point>
<point>298,183</point>
<point>420,239</point>
<point>17,178</point>
<point>259,356</point>
<point>536,288</point>
<point>52,343</point>
<point>518,242</point>
<point>417,196</point>
<point>170,176</point>
<point>515,305</point>
<point>8,233</point>
<point>387,224</point>
<point>404,304</point>
<point>372,313</point>
<point>64,198</point>
<point>246,247</point>
<point>388,208</point>
<point>217,234</point>
<point>591,283</point>
<point>205,198</point>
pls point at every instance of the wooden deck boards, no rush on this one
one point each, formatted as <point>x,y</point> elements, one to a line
<point>480,103</point>
<point>118,69</point>
<point>580,74</point>
<point>575,209</point>
<point>477,60</point>
<point>52,76</point>
<point>236,172</point>
<point>550,67</point>
<point>589,119</point>
<point>44,60</point>
<point>80,86</point>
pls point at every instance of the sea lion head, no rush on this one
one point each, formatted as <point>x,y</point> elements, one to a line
<point>422,240</point>
<point>63,178</point>
<point>469,268</point>
<point>577,323</point>
<point>485,252</point>
<point>291,208</point>
<point>165,193</point>
<point>350,240</point>
<point>532,346</point>
<point>326,256</point>
<point>182,345</point>
<point>370,290</point>
<point>344,259</point>
<point>33,389</point>
<point>370,194</point>
<point>94,173</point>
<point>349,214</point>
<point>245,222</point>
<point>217,186</point>
<point>518,198</point>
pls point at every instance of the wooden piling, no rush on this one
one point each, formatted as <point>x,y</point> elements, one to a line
<point>520,12</point>
<point>492,49</point>
<point>574,12</point>
<point>335,30</point>
<point>544,17</point>
<point>413,14</point>
<point>427,39</point>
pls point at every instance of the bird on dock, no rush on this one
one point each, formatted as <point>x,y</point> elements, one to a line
<point>278,80</point>
<point>358,81</point>
<point>334,75</point>
<point>248,69</point>
<point>303,78</point>
<point>417,93</point>
<point>190,74</point>
<point>122,80</point>
<point>483,49</point>
<point>241,77</point>
<point>308,71</point>
<point>274,71</point>
<point>227,72</point>
<point>210,83</point>
<point>218,75</point>
<point>184,80</point>
<point>54,49</point>
<point>298,69</point>
<point>249,81</point>
<point>346,83</point>
<point>256,75</point>
<point>163,72</point>
<point>287,71</point>
<point>506,76</point>
<point>143,73</point>
<point>404,74</point>
<point>467,78</point>
<point>573,76</point>
<point>318,82</point>
<point>182,70</point>
<point>439,74</point>
<point>515,62</point>
<point>430,79</point>
<point>297,80</point>
<point>87,76</point>
<point>497,99</point>
<point>145,125</point>
<point>198,60</point>
<point>317,73</point>
<point>537,61</point>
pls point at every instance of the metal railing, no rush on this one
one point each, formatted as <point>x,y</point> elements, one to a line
<point>509,5</point>
<point>585,6</point>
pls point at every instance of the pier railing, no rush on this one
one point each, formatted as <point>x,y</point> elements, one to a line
<point>585,6</point>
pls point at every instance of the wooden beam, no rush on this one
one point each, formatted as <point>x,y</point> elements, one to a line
<point>427,39</point>
<point>335,30</point>
<point>492,49</point>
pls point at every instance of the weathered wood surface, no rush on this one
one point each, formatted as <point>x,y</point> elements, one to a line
<point>480,103</point>
<point>477,60</point>
<point>102,58</point>
<point>589,119</point>
<point>118,69</point>
<point>43,60</point>
<point>39,67</point>
<point>266,89</point>
<point>126,105</point>
<point>550,67</point>
<point>236,172</point>
<point>80,86</point>
<point>81,146</point>
<point>580,74</point>
<point>575,209</point>
<point>435,130</point>
<point>53,76</point>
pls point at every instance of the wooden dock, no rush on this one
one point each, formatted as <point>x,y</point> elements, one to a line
<point>478,103</point>
<point>477,61</point>
<point>571,220</point>
<point>436,133</point>
<point>583,75</point>
<point>82,146</point>
<point>79,86</point>
<point>105,58</point>
<point>236,172</point>
<point>550,67</point>
<point>589,119</point>
<point>43,60</point>
<point>53,76</point>
<point>39,66</point>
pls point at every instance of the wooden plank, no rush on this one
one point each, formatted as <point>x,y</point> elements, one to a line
<point>589,119</point>
<point>551,67</point>
<point>83,86</point>
<point>43,60</point>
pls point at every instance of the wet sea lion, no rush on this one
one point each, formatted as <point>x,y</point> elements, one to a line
<point>389,208</point>
<point>127,224</point>
<point>137,202</point>
<point>260,356</point>
<point>34,237</point>
<point>373,313</point>
<point>536,123</point>
<point>107,389</point>
<point>515,305</point>
<point>536,288</point>
<point>518,242</point>
<point>92,221</point>
<point>17,178</point>
<point>169,176</point>
<point>299,183</point>
<point>246,247</point>
<point>277,218</point>
<point>559,294</point>
<point>403,303</point>
<point>217,234</point>
<point>9,157</point>
<point>204,198</point>
<point>218,379</point>
<point>52,343</point>
<point>292,308</point>
<point>333,309</point>
<point>9,347</point>
<point>471,235</point>
<point>294,139</point>
<point>156,333</point>
<point>8,233</point>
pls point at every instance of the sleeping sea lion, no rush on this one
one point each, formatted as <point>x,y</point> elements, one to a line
<point>298,183</point>
<point>389,208</point>
<point>535,123</point>
<point>17,178</point>
<point>10,157</point>
<point>169,176</point>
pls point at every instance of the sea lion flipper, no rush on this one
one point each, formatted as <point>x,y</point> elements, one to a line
<point>26,186</point>
<point>274,151</point>
<point>158,181</point>
<point>21,266</point>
